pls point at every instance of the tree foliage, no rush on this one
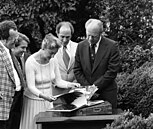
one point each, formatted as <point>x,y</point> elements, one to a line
<point>35,18</point>
<point>131,22</point>
<point>128,22</point>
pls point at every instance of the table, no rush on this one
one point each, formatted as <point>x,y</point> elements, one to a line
<point>75,122</point>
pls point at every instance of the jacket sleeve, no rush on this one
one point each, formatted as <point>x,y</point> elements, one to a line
<point>78,71</point>
<point>112,69</point>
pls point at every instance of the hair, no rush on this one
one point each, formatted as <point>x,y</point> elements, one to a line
<point>51,42</point>
<point>95,22</point>
<point>64,23</point>
<point>5,27</point>
<point>21,38</point>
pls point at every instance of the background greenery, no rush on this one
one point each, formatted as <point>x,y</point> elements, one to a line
<point>130,121</point>
<point>127,21</point>
<point>130,22</point>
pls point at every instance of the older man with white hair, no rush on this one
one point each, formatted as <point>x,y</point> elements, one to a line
<point>97,62</point>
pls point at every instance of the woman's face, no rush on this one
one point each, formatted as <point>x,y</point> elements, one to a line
<point>21,48</point>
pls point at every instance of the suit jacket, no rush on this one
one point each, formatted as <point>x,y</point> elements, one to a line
<point>67,74</point>
<point>22,61</point>
<point>105,67</point>
<point>7,84</point>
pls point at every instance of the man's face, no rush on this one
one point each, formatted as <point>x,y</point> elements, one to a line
<point>93,34</point>
<point>10,42</point>
<point>19,50</point>
<point>64,35</point>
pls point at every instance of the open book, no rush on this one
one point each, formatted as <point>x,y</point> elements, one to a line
<point>88,91</point>
<point>70,102</point>
<point>74,100</point>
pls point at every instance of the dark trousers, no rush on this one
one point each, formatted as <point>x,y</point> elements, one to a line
<point>15,112</point>
<point>3,124</point>
<point>110,96</point>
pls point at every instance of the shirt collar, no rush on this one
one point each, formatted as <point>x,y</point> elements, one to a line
<point>68,46</point>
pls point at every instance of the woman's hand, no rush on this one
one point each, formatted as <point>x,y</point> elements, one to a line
<point>48,98</point>
<point>51,98</point>
<point>73,85</point>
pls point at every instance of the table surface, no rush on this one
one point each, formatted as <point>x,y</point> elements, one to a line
<point>45,117</point>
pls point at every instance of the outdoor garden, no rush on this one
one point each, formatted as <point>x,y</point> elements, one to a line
<point>129,22</point>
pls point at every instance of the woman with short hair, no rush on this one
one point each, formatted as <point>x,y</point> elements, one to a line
<point>42,72</point>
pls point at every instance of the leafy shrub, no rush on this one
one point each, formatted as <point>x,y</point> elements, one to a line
<point>133,58</point>
<point>135,90</point>
<point>130,121</point>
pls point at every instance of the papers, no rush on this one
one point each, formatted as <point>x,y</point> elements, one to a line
<point>80,101</point>
<point>88,91</point>
<point>70,102</point>
<point>91,103</point>
<point>91,90</point>
<point>75,99</point>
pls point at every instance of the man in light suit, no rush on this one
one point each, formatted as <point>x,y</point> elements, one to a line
<point>11,78</point>
<point>64,31</point>
<point>97,62</point>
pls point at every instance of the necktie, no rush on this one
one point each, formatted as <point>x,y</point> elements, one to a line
<point>18,69</point>
<point>92,53</point>
<point>19,60</point>
<point>66,57</point>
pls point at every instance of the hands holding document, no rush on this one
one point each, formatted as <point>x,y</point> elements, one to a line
<point>73,85</point>
<point>76,98</point>
<point>47,97</point>
<point>88,91</point>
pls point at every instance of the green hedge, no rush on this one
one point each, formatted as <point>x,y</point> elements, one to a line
<point>135,90</point>
<point>130,121</point>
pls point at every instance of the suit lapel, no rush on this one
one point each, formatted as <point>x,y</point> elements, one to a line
<point>23,64</point>
<point>18,69</point>
<point>100,53</point>
<point>8,64</point>
<point>72,54</point>
<point>71,59</point>
<point>60,59</point>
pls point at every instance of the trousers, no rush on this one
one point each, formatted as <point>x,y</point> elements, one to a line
<point>15,112</point>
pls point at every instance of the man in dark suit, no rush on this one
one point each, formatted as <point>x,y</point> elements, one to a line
<point>11,77</point>
<point>20,50</point>
<point>97,62</point>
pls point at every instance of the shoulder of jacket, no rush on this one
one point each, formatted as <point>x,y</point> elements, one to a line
<point>83,41</point>
<point>72,42</point>
<point>109,40</point>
